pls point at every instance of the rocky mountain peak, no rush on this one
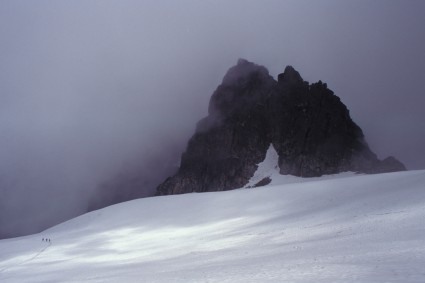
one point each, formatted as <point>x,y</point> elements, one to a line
<point>308,126</point>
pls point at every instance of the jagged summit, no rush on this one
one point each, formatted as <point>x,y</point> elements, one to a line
<point>290,75</point>
<point>243,85</point>
<point>242,73</point>
<point>309,127</point>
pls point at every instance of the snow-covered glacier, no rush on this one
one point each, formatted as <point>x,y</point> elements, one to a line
<point>339,228</point>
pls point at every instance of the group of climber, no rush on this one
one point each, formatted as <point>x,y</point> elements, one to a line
<point>45,240</point>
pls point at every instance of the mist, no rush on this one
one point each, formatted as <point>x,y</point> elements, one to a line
<point>89,88</point>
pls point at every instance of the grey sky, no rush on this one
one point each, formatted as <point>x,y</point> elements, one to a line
<point>87,85</point>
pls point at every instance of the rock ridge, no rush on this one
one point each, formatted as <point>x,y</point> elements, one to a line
<point>307,124</point>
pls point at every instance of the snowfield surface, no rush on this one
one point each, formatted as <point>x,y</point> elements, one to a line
<point>342,228</point>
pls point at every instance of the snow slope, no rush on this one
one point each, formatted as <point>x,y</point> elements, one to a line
<point>342,228</point>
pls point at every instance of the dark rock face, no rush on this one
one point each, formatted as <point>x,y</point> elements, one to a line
<point>232,139</point>
<point>312,130</point>
<point>308,125</point>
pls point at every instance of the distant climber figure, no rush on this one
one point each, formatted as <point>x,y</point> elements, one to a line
<point>42,240</point>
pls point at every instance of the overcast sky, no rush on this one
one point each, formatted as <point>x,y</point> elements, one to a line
<point>86,86</point>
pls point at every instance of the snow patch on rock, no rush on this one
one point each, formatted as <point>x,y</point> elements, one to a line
<point>267,168</point>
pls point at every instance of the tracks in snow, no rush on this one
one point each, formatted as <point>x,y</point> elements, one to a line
<point>37,254</point>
